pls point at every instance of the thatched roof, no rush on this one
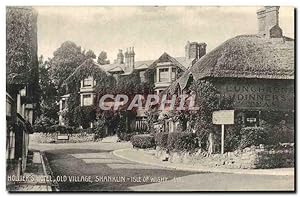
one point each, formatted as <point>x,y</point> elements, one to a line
<point>245,56</point>
<point>248,56</point>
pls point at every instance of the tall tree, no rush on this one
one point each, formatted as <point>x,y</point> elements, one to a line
<point>65,60</point>
<point>48,93</point>
<point>102,58</point>
<point>90,54</point>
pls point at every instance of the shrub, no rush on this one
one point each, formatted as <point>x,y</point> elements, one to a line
<point>253,136</point>
<point>42,123</point>
<point>143,141</point>
<point>182,141</point>
<point>161,139</point>
<point>232,138</point>
<point>125,136</point>
<point>61,129</point>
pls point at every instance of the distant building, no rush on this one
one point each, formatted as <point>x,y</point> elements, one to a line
<point>163,71</point>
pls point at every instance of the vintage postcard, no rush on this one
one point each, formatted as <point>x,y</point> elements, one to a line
<point>150,98</point>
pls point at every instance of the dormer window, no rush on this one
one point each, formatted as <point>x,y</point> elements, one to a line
<point>88,82</point>
<point>164,75</point>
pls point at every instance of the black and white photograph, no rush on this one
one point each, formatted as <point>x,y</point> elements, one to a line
<point>150,98</point>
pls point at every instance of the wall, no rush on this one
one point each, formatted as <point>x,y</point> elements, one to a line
<point>52,138</point>
<point>256,157</point>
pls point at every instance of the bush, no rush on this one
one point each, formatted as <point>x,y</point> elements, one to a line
<point>143,141</point>
<point>161,139</point>
<point>253,136</point>
<point>125,136</point>
<point>42,124</point>
<point>61,129</point>
<point>232,138</point>
<point>182,141</point>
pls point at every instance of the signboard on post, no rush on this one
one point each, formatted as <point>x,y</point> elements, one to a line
<point>223,117</point>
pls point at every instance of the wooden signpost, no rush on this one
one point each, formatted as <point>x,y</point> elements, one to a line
<point>223,117</point>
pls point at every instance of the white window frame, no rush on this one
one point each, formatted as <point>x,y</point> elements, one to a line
<point>87,99</point>
<point>166,71</point>
<point>88,79</point>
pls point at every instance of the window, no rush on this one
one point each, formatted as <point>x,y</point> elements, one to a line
<point>173,77</point>
<point>87,100</point>
<point>163,75</point>
<point>10,143</point>
<point>63,104</point>
<point>8,108</point>
<point>88,82</point>
<point>252,119</point>
<point>142,76</point>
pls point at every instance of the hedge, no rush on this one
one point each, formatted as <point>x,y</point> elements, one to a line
<point>182,141</point>
<point>253,136</point>
<point>161,139</point>
<point>60,129</point>
<point>143,141</point>
<point>125,136</point>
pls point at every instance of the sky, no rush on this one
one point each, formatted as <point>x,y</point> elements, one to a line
<point>150,30</point>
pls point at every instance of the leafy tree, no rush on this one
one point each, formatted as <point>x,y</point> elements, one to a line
<point>90,54</point>
<point>102,58</point>
<point>48,93</point>
<point>65,60</point>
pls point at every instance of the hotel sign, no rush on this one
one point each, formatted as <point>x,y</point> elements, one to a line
<point>259,94</point>
<point>223,117</point>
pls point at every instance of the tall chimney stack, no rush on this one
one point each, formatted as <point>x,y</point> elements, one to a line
<point>268,22</point>
<point>195,50</point>
<point>129,59</point>
<point>120,57</point>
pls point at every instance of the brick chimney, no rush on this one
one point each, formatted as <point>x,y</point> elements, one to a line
<point>268,22</point>
<point>129,59</point>
<point>195,50</point>
<point>120,57</point>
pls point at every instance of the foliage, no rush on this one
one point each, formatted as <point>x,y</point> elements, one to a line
<point>208,101</point>
<point>151,118</point>
<point>102,58</point>
<point>83,115</point>
<point>161,139</point>
<point>90,54</point>
<point>252,136</point>
<point>100,127</point>
<point>60,129</point>
<point>42,123</point>
<point>279,126</point>
<point>182,141</point>
<point>125,136</point>
<point>232,138</point>
<point>65,60</point>
<point>48,93</point>
<point>131,85</point>
<point>143,141</point>
<point>21,45</point>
